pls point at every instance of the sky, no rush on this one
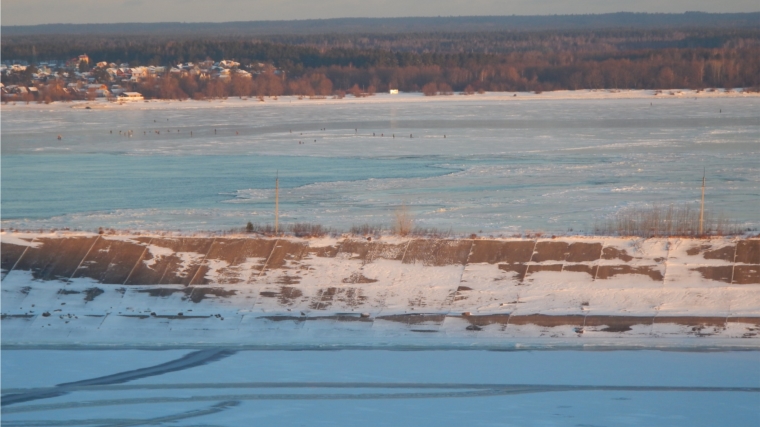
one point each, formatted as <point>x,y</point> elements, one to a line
<point>31,12</point>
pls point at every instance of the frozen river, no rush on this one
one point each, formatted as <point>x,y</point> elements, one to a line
<point>222,387</point>
<point>497,164</point>
<point>466,163</point>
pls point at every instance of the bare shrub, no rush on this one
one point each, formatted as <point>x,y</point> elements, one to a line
<point>445,89</point>
<point>305,229</point>
<point>430,89</point>
<point>367,230</point>
<point>659,221</point>
<point>433,233</point>
<point>403,222</point>
<point>265,229</point>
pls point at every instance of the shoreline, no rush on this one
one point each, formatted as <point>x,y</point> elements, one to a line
<point>414,97</point>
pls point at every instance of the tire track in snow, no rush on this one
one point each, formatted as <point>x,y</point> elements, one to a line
<point>187,361</point>
<point>116,422</point>
<point>467,390</point>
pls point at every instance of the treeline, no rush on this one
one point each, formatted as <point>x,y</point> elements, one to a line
<point>367,49</point>
<point>536,61</point>
<point>516,72</point>
<point>398,25</point>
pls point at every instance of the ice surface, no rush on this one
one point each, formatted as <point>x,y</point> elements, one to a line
<point>352,387</point>
<point>550,162</point>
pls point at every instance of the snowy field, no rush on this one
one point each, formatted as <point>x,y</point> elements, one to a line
<point>495,162</point>
<point>85,346</point>
<point>220,387</point>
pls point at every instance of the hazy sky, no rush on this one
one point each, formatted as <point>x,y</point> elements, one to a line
<point>28,12</point>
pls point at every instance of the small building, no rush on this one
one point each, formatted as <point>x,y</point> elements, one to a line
<point>131,96</point>
<point>394,91</point>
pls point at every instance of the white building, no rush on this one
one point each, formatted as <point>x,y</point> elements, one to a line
<point>131,96</point>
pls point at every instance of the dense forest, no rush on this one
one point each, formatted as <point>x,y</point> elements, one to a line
<point>399,25</point>
<point>434,63</point>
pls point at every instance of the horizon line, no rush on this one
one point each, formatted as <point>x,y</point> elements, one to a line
<point>381,18</point>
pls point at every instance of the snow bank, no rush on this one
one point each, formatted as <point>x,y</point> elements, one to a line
<point>100,288</point>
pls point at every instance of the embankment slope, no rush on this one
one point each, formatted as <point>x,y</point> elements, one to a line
<point>63,288</point>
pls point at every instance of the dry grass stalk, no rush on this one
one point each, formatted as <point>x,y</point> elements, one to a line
<point>367,230</point>
<point>403,222</point>
<point>659,221</point>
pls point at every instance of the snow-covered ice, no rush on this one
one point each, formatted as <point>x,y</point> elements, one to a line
<point>550,162</point>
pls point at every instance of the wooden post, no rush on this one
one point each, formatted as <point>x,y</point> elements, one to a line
<point>702,206</point>
<point>277,203</point>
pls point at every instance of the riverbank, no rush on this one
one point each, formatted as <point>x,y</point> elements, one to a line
<point>94,289</point>
<point>402,98</point>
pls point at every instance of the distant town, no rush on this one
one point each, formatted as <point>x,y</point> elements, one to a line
<point>80,78</point>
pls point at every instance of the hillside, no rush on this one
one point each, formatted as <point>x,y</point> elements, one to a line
<point>137,289</point>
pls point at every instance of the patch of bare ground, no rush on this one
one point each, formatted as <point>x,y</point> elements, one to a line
<point>609,271</point>
<point>487,319</point>
<point>170,269</point>
<point>195,294</point>
<point>495,252</point>
<point>591,270</point>
<point>285,251</point>
<point>92,293</point>
<point>547,320</point>
<point>355,249</point>
<point>324,251</point>
<point>460,294</point>
<point>415,318</point>
<point>726,253</point>
<point>55,258</point>
<point>337,317</point>
<point>614,253</point>
<point>9,254</point>
<point>323,299</point>
<point>748,251</point>
<point>358,278</point>
<point>437,252</point>
<point>583,252</point>
<point>287,295</point>
<point>519,270</point>
<point>234,251</point>
<point>551,251</point>
<point>351,297</point>
<point>720,273</point>
<point>288,280</point>
<point>744,319</point>
<point>746,274</point>
<point>697,326</point>
<point>547,267</point>
<point>110,261</point>
<point>616,324</point>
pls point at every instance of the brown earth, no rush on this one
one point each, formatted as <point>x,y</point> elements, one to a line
<point>551,251</point>
<point>614,253</point>
<point>721,273</point>
<point>581,268</point>
<point>724,254</point>
<point>437,252</point>
<point>547,320</point>
<point>9,255</point>
<point>494,252</point>
<point>746,274</point>
<point>124,262</point>
<point>609,271</point>
<point>56,258</point>
<point>584,252</point>
<point>748,251</point>
<point>693,321</point>
<point>110,261</point>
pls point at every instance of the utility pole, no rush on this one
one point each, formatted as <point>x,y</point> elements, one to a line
<point>277,202</point>
<point>702,206</point>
